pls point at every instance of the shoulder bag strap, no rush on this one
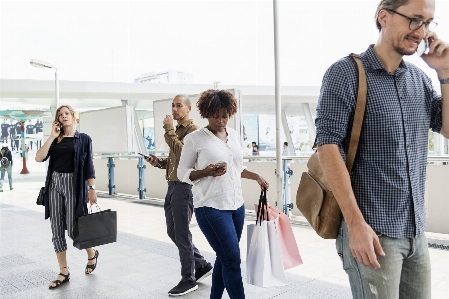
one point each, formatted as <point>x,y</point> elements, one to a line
<point>359,113</point>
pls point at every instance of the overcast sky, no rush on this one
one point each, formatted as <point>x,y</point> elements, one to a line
<point>231,41</point>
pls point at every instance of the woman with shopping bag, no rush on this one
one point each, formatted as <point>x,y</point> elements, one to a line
<point>212,161</point>
<point>70,183</point>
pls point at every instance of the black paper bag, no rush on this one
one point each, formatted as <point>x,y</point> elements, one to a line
<point>95,229</point>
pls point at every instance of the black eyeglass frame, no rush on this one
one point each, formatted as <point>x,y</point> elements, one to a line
<point>416,20</point>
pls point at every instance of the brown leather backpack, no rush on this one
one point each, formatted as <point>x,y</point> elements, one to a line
<point>314,198</point>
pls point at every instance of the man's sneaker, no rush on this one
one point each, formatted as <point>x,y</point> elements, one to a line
<point>202,273</point>
<point>11,188</point>
<point>183,287</point>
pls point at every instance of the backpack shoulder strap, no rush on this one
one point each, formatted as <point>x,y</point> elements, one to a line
<point>359,113</point>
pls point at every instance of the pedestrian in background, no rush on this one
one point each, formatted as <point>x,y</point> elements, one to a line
<point>5,165</point>
<point>285,149</point>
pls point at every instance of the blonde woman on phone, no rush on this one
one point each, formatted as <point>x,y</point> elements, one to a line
<point>69,186</point>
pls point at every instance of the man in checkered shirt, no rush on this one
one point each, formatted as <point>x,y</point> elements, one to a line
<point>381,240</point>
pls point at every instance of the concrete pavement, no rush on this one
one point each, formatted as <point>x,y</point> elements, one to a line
<point>143,263</point>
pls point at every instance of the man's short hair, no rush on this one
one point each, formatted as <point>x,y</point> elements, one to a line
<point>286,143</point>
<point>185,97</point>
<point>388,5</point>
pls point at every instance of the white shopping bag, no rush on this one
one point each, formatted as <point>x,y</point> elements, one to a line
<point>264,266</point>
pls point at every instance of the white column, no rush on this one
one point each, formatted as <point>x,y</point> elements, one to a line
<point>438,144</point>
<point>310,122</point>
<point>277,94</point>
<point>287,134</point>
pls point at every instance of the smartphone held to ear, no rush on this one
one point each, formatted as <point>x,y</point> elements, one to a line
<point>60,127</point>
<point>422,47</point>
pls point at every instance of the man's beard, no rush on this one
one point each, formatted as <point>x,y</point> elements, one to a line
<point>401,51</point>
<point>179,117</point>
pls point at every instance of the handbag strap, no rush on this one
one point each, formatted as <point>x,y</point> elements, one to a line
<point>359,113</point>
<point>263,207</point>
<point>98,208</point>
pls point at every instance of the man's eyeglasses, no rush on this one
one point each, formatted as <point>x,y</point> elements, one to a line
<point>416,23</point>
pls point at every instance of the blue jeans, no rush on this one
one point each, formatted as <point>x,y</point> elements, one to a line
<point>223,229</point>
<point>8,170</point>
<point>404,270</point>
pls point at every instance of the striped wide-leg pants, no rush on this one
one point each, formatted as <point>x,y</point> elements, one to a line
<point>62,199</point>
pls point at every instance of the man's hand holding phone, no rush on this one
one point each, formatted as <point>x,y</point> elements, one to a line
<point>438,56</point>
<point>152,159</point>
<point>422,47</point>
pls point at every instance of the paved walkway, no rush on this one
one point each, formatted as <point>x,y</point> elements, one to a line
<point>143,263</point>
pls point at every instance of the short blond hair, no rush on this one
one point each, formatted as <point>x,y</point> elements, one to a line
<point>388,5</point>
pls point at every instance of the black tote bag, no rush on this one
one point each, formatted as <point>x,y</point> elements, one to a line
<point>95,229</point>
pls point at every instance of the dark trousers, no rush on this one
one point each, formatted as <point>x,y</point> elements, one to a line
<point>223,229</point>
<point>178,212</point>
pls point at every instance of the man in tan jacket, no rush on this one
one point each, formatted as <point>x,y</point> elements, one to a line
<point>179,199</point>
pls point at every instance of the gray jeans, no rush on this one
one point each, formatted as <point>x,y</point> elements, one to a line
<point>404,270</point>
<point>8,170</point>
<point>178,212</point>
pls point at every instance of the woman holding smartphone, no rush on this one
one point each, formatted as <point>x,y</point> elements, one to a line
<point>212,161</point>
<point>69,185</point>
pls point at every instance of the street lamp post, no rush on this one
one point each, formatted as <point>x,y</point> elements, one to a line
<point>39,63</point>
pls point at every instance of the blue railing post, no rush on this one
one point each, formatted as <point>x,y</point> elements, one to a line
<point>286,204</point>
<point>141,166</point>
<point>111,185</point>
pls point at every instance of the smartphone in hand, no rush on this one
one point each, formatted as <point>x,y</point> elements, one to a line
<point>422,47</point>
<point>221,164</point>
<point>146,157</point>
<point>60,128</point>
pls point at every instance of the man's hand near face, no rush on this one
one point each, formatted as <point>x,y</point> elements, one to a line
<point>438,56</point>
<point>168,120</point>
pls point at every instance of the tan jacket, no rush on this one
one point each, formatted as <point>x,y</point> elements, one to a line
<point>175,142</point>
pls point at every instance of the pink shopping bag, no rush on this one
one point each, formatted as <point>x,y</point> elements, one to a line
<point>287,242</point>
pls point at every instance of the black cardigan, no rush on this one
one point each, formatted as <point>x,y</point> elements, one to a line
<point>83,170</point>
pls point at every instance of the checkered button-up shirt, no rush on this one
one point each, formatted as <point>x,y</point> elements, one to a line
<point>389,173</point>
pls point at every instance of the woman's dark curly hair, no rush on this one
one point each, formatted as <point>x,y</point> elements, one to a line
<point>211,101</point>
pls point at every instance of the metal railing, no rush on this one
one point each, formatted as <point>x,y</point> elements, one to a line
<point>286,204</point>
